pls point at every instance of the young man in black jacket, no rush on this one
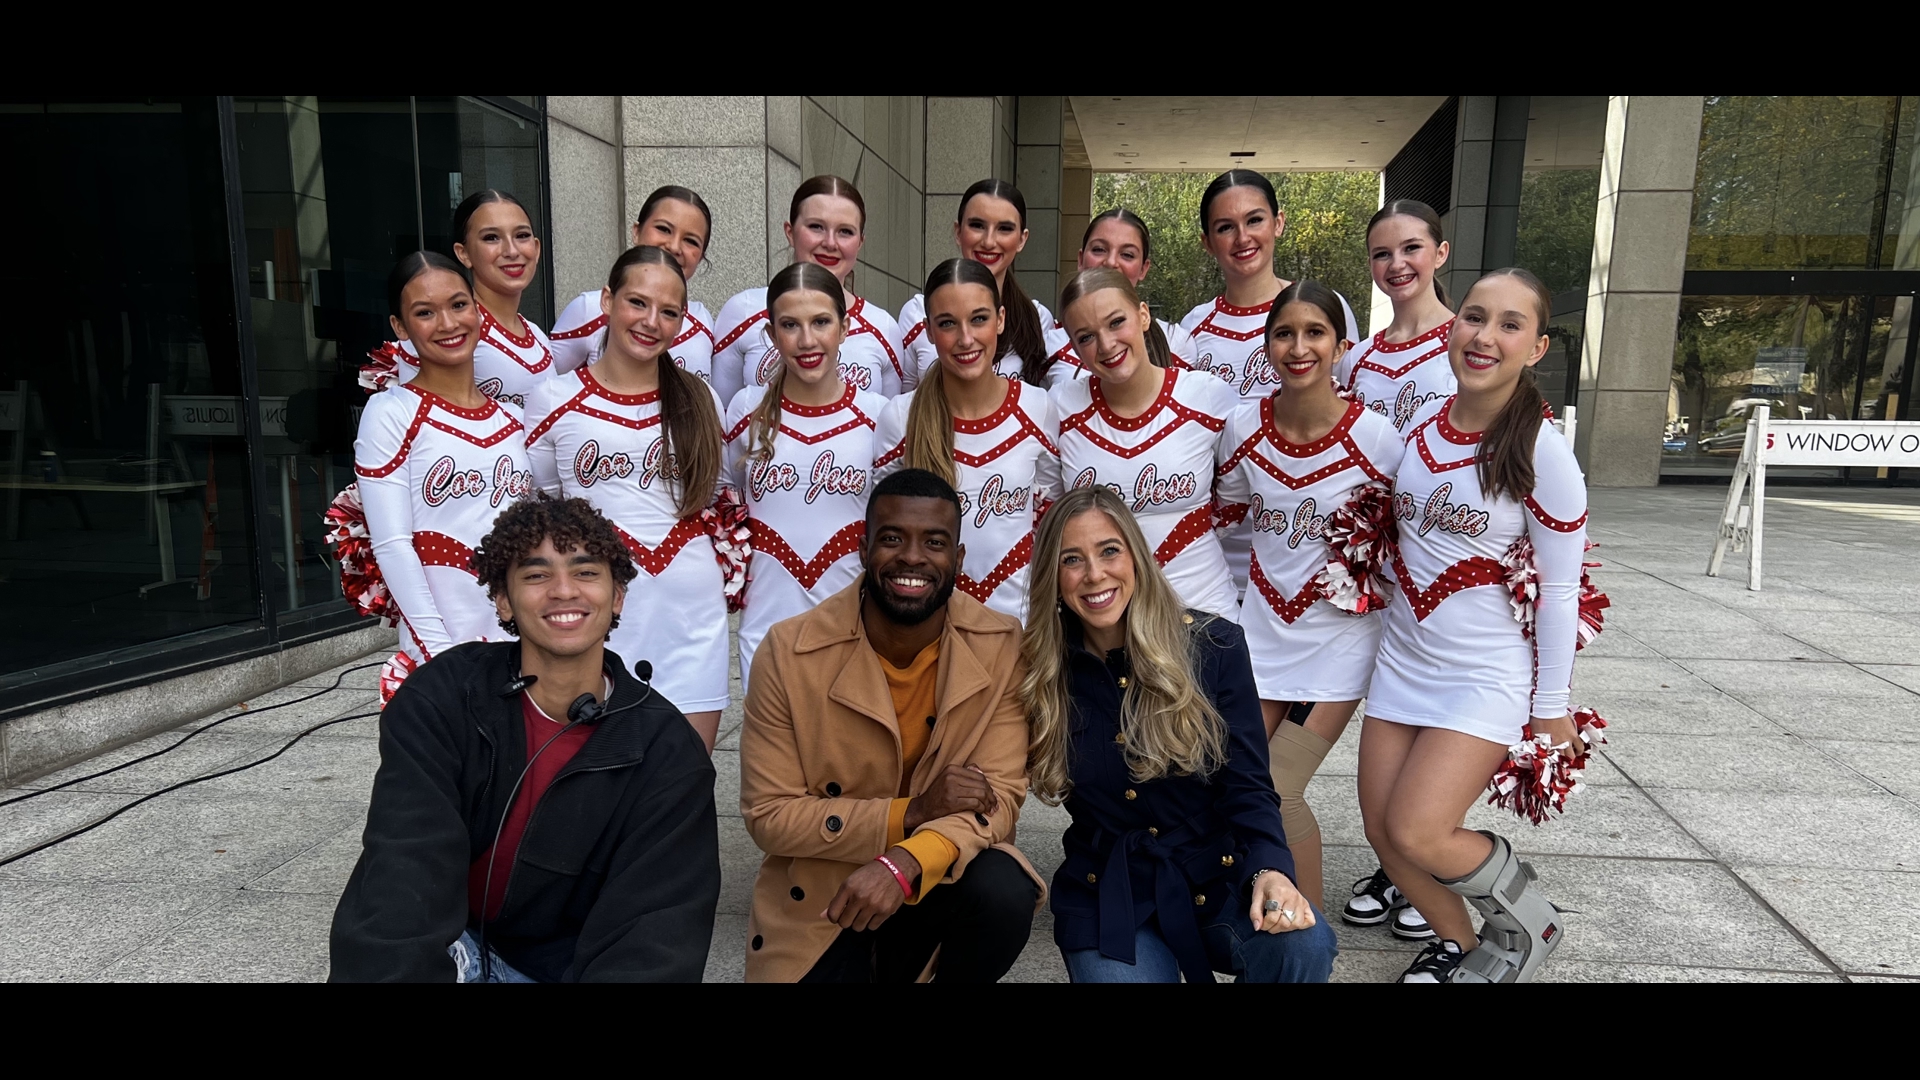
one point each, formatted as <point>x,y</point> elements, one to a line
<point>606,865</point>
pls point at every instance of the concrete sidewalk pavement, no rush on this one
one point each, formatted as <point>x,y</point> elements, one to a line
<point>1753,817</point>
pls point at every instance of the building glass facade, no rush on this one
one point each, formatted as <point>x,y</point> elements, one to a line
<point>207,276</point>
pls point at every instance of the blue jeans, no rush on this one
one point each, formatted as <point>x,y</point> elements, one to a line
<point>466,959</point>
<point>1233,946</point>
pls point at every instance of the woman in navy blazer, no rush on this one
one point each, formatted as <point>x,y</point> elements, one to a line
<point>1147,724</point>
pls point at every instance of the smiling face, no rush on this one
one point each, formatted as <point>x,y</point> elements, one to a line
<point>965,324</point>
<point>679,229</point>
<point>1303,345</point>
<point>439,317</point>
<point>1096,571</point>
<point>500,248</point>
<point>563,602</point>
<point>1109,332</point>
<point>990,233</point>
<point>912,557</point>
<point>644,316</point>
<point>1241,231</point>
<point>827,232</point>
<point>1403,256</point>
<point>1116,244</point>
<point>808,331</point>
<point>1497,335</point>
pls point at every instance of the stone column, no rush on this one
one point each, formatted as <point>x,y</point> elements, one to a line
<point>1490,150</point>
<point>967,139</point>
<point>1038,175</point>
<point>1633,295</point>
<point>588,230</point>
<point>718,147</point>
<point>1076,212</point>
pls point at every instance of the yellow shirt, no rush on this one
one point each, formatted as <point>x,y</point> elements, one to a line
<point>913,690</point>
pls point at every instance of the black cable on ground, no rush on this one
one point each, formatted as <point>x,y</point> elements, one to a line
<point>92,825</point>
<point>166,749</point>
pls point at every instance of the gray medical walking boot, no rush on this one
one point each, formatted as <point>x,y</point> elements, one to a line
<point>1522,928</point>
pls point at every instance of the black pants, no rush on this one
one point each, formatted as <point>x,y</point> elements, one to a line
<point>983,921</point>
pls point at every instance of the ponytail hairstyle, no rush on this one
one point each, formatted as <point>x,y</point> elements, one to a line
<point>412,266</point>
<point>1414,208</point>
<point>1024,333</point>
<point>1158,350</point>
<point>1095,279</point>
<point>1505,464</point>
<point>930,417</point>
<point>463,214</point>
<point>688,421</point>
<point>1229,180</point>
<point>799,277</point>
<point>1308,291</point>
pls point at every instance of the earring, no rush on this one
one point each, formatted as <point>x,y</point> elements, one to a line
<point>511,626</point>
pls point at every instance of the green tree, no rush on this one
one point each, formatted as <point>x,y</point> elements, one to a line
<point>1325,237</point>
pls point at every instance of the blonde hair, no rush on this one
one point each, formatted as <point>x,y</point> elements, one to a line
<point>765,425</point>
<point>1171,726</point>
<point>930,416</point>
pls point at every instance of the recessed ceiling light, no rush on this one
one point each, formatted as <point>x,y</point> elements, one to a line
<point>1363,142</point>
<point>1349,161</point>
<point>1379,121</point>
<point>1126,153</point>
<point>1241,153</point>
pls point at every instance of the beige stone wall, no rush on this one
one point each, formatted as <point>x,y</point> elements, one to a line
<point>583,154</point>
<point>967,139</point>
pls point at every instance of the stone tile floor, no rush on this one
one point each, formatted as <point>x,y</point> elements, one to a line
<point>1753,819</point>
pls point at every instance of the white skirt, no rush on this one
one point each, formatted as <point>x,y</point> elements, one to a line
<point>1466,668</point>
<point>1324,655</point>
<point>678,622</point>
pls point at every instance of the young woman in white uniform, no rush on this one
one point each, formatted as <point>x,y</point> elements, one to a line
<point>1118,239</point>
<point>676,220</point>
<point>801,449</point>
<point>994,439</point>
<point>1294,459</point>
<point>991,229</point>
<point>1404,365</point>
<point>1456,681</point>
<point>436,461</point>
<point>1152,434</point>
<point>641,441</point>
<point>826,226</point>
<point>493,238</point>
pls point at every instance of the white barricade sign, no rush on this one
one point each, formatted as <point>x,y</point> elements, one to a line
<point>1842,443</point>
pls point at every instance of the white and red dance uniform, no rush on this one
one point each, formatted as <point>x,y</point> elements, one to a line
<point>1398,379</point>
<point>921,355</point>
<point>1452,654</point>
<point>505,367</point>
<point>1162,463</point>
<point>1066,365</point>
<point>1231,342</point>
<point>1008,467</point>
<point>1304,647</point>
<point>587,442</point>
<point>806,505</point>
<point>432,478</point>
<point>580,336</point>
<point>871,358</point>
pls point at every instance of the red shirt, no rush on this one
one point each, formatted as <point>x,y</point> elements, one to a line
<point>540,728</point>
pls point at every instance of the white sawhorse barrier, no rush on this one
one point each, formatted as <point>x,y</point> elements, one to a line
<point>1843,443</point>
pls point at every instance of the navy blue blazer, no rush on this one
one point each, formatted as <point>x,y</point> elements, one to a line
<point>1180,847</point>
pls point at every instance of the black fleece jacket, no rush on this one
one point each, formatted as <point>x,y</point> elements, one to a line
<point>617,875</point>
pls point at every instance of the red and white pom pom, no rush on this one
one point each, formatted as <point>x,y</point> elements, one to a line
<point>1359,538</point>
<point>1537,778</point>
<point>383,367</point>
<point>726,525</point>
<point>393,673</point>
<point>1523,585</point>
<point>360,579</point>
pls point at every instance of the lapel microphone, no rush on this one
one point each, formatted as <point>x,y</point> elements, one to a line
<point>586,710</point>
<point>519,683</point>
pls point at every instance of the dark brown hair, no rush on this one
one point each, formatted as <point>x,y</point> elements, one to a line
<point>1024,333</point>
<point>569,523</point>
<point>463,214</point>
<point>688,421</point>
<point>799,277</point>
<point>827,184</point>
<point>1308,291</point>
<point>1229,180</point>
<point>1158,350</point>
<point>679,194</point>
<point>412,266</point>
<point>929,439</point>
<point>1414,208</point>
<point>1505,464</point>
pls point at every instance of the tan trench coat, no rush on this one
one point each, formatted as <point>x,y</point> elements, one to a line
<point>820,762</point>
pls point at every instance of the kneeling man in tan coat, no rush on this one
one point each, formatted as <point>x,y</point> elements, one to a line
<point>883,764</point>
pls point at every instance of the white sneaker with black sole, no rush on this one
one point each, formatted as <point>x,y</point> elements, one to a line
<point>1374,901</point>
<point>1435,964</point>
<point>1409,924</point>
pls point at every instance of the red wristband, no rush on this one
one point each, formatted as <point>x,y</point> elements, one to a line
<point>905,885</point>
